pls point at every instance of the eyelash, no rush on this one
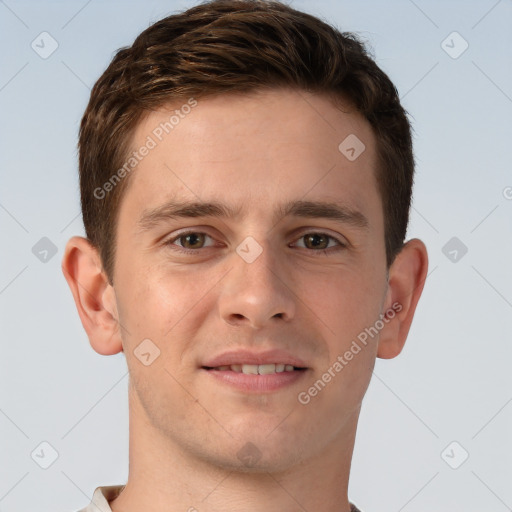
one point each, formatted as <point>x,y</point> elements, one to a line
<point>326,251</point>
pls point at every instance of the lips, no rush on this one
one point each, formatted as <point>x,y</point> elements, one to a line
<point>256,372</point>
<point>257,369</point>
<point>262,363</point>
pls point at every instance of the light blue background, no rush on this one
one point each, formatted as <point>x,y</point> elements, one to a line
<point>452,382</point>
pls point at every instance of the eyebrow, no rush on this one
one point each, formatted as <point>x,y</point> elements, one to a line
<point>306,209</point>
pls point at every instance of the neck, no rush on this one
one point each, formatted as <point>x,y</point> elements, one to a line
<point>165,476</point>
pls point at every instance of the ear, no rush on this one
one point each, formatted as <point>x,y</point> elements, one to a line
<point>94,297</point>
<point>407,276</point>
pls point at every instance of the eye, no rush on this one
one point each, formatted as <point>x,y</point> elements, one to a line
<point>190,240</point>
<point>320,241</point>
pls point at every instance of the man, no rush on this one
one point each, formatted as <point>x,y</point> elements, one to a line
<point>246,174</point>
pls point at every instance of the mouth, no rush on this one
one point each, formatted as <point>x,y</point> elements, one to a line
<point>256,369</point>
<point>253,371</point>
<point>256,378</point>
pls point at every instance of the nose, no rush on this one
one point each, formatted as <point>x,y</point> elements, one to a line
<point>257,293</point>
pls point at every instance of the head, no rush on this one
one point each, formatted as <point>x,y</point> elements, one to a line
<point>235,46</point>
<point>268,112</point>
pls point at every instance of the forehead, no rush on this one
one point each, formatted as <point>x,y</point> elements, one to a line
<point>253,149</point>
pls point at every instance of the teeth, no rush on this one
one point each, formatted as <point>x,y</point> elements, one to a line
<point>257,369</point>
<point>265,369</point>
<point>250,369</point>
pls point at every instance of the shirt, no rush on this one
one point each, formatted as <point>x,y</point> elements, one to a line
<point>103,495</point>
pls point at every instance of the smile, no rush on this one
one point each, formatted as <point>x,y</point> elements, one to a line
<point>257,369</point>
<point>256,378</point>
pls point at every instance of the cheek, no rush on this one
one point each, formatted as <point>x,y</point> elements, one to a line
<point>346,299</point>
<point>157,300</point>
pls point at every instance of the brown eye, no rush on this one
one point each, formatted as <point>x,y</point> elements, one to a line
<point>316,241</point>
<point>320,243</point>
<point>192,240</point>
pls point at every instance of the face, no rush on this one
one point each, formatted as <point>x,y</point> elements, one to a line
<point>280,261</point>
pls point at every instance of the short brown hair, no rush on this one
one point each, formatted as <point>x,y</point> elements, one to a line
<point>224,46</point>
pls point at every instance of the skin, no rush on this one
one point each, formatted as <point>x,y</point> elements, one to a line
<point>254,151</point>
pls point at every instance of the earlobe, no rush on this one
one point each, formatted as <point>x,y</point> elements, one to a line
<point>94,296</point>
<point>406,280</point>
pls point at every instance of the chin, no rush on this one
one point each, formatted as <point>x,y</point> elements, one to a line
<point>252,460</point>
<point>254,452</point>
